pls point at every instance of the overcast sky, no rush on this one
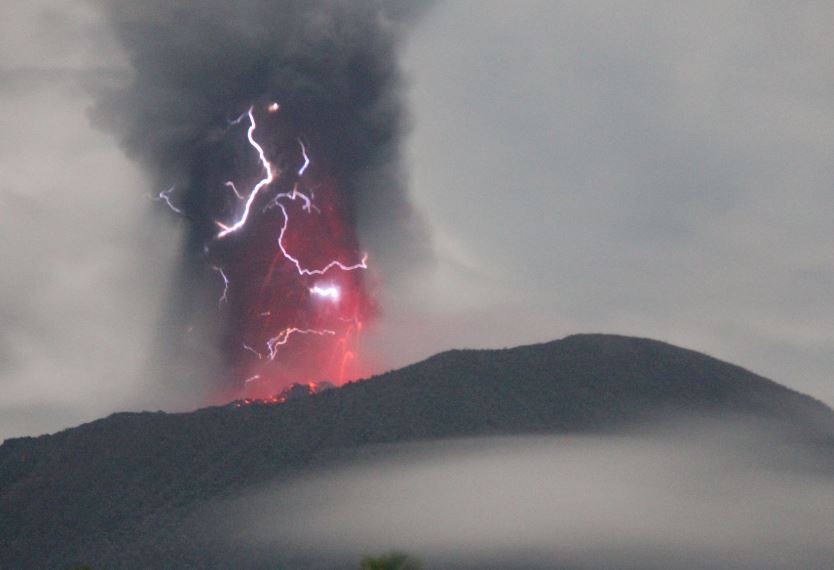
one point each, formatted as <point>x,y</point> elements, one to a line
<point>655,169</point>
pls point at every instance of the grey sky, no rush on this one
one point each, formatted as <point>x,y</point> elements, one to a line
<point>84,274</point>
<point>657,169</point>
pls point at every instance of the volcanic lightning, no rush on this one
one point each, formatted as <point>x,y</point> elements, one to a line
<point>165,196</point>
<point>280,161</point>
<point>225,296</point>
<point>313,321</point>
<point>266,181</point>
<point>230,184</point>
<point>363,263</point>
<point>284,336</point>
<point>327,292</point>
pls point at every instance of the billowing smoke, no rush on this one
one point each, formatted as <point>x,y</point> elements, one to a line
<point>272,127</point>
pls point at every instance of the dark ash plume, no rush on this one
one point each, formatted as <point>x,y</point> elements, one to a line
<point>332,65</point>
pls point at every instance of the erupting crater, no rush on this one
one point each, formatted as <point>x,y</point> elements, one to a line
<point>292,279</point>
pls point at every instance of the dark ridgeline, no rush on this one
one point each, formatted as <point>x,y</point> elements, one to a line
<point>115,492</point>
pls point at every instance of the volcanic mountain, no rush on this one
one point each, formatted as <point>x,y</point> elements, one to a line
<point>116,492</point>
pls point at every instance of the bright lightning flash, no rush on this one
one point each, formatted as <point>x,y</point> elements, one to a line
<point>326,291</point>
<point>330,292</point>
<point>263,183</point>
<point>165,196</point>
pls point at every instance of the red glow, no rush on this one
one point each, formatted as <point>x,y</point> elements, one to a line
<point>286,327</point>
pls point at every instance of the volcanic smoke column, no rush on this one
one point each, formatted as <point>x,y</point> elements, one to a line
<point>273,129</point>
<point>289,261</point>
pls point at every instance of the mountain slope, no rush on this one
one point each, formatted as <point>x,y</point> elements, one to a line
<point>118,489</point>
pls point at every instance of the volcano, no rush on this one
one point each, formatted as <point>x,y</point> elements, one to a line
<point>117,492</point>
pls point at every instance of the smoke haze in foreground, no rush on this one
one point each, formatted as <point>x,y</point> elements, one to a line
<point>700,496</point>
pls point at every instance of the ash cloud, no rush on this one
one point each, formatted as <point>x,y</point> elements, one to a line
<point>332,65</point>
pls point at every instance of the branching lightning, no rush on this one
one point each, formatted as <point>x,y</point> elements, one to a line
<point>263,183</point>
<point>284,149</point>
<point>165,196</point>
<point>284,336</point>
<point>363,263</point>
<point>295,194</point>
<point>327,291</point>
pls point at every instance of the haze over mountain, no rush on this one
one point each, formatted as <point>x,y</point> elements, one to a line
<point>119,492</point>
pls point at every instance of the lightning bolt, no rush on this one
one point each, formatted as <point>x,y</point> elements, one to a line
<point>230,184</point>
<point>264,182</point>
<point>165,196</point>
<point>236,121</point>
<point>253,351</point>
<point>240,218</point>
<point>363,263</point>
<point>295,194</point>
<point>284,336</point>
<point>224,296</point>
<point>306,159</point>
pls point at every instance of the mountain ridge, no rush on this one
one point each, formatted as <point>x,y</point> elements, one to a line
<point>386,376</point>
<point>131,479</point>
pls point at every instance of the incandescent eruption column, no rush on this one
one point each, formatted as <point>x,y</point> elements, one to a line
<point>293,281</point>
<point>295,289</point>
<point>274,127</point>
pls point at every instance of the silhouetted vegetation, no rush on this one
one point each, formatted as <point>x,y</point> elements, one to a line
<point>392,561</point>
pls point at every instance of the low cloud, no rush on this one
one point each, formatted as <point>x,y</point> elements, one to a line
<point>698,496</point>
